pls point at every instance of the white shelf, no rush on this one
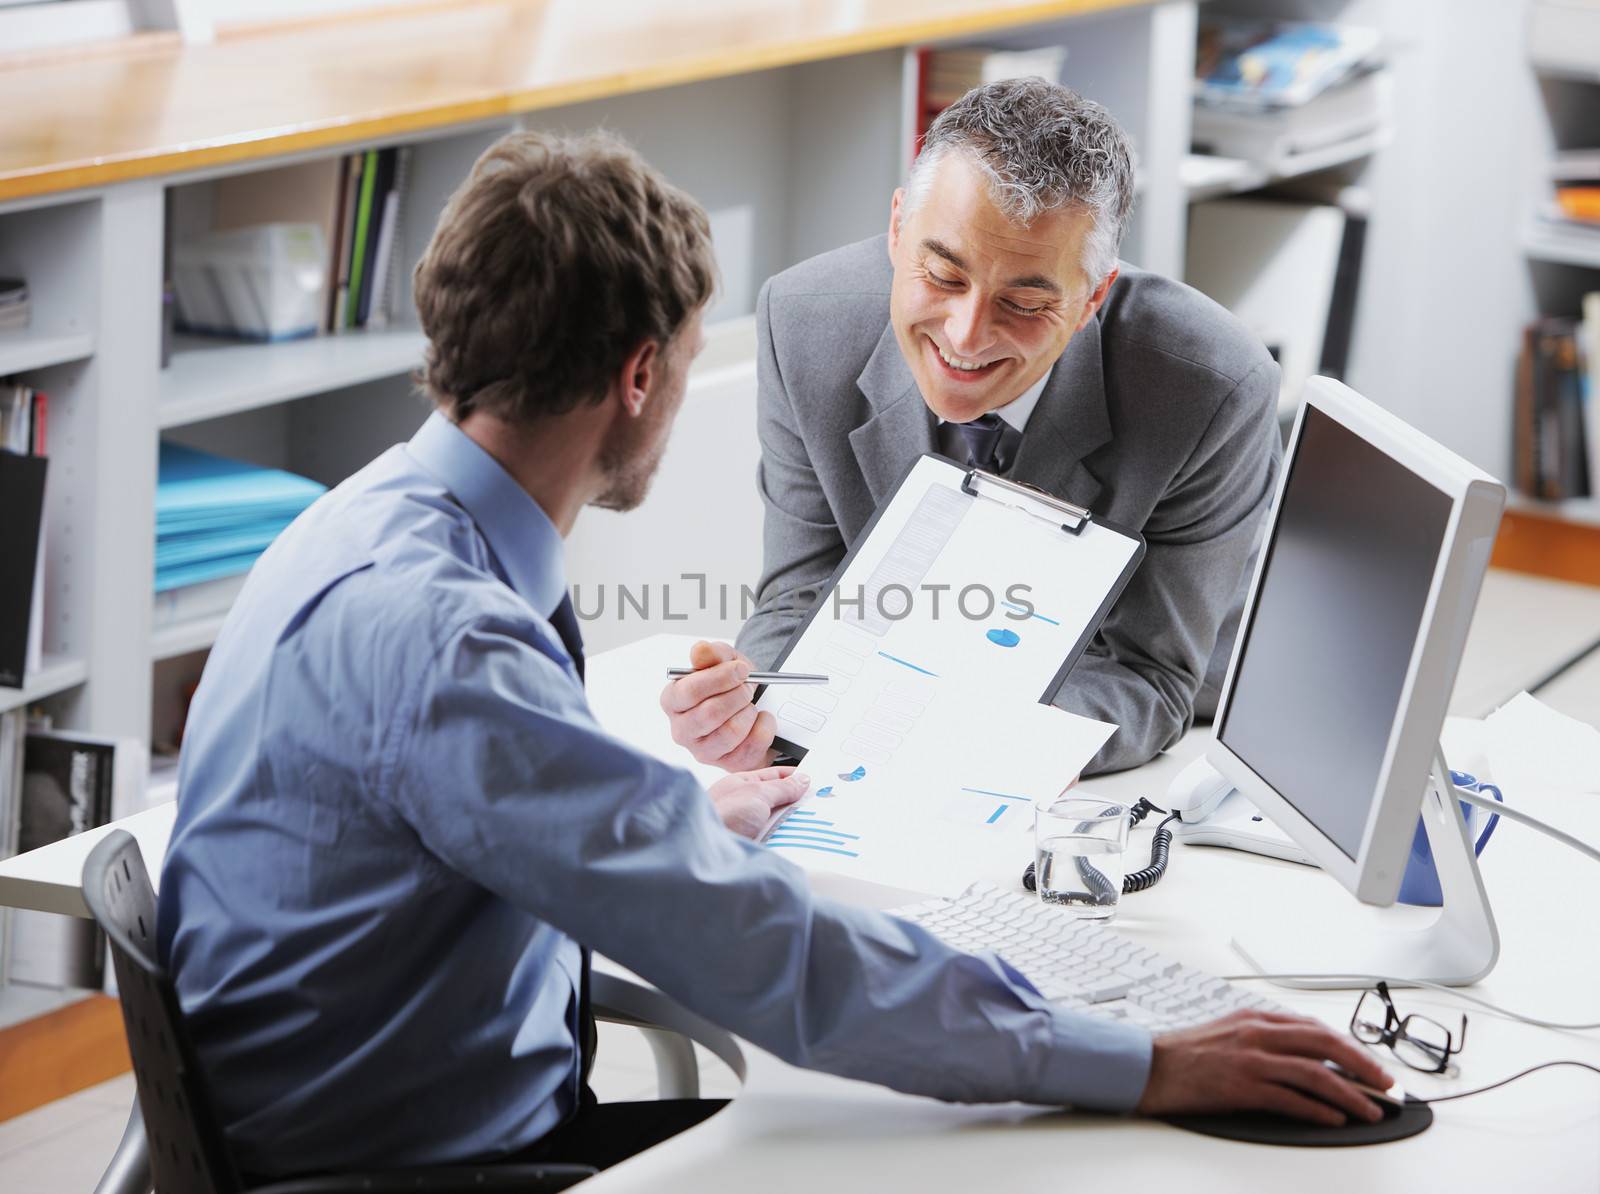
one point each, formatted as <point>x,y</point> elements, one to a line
<point>28,348</point>
<point>210,378</point>
<point>1206,176</point>
<point>1576,247</point>
<point>58,674</point>
<point>182,637</point>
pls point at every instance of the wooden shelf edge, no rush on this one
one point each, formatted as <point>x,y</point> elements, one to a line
<point>341,128</point>
<point>60,1053</point>
<point>1545,544</point>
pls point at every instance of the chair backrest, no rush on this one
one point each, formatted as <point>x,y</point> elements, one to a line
<point>188,1151</point>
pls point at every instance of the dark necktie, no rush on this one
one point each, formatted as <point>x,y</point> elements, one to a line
<point>565,622</point>
<point>982,439</point>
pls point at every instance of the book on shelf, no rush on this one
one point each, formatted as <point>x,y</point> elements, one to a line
<point>215,516</point>
<point>13,730</point>
<point>944,76</point>
<point>382,187</point>
<point>14,304</point>
<point>1256,64</point>
<point>359,237</point>
<point>1555,441</point>
<point>1575,177</point>
<point>385,260</point>
<point>263,282</point>
<point>70,783</point>
<point>23,472</point>
<point>349,203</point>
<point>304,193</point>
<point>1354,114</point>
<point>1589,358</point>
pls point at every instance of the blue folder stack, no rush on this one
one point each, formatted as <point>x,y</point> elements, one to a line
<point>215,516</point>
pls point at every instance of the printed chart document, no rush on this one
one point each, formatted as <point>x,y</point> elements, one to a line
<point>958,613</point>
<point>953,797</point>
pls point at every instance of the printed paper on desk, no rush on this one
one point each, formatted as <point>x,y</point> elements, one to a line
<point>947,802</point>
<point>948,591</point>
<point>1531,747</point>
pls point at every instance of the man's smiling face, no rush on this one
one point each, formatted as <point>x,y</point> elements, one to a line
<point>982,307</point>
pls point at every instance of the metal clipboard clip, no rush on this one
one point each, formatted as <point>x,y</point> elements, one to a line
<point>1029,499</point>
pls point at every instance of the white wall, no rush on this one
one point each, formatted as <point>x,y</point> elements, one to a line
<point>1446,287</point>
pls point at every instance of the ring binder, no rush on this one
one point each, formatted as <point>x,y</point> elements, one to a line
<point>1078,515</point>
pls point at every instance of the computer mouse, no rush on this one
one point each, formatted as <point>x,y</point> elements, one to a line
<point>1391,1101</point>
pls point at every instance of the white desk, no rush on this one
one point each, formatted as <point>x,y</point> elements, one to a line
<point>794,1130</point>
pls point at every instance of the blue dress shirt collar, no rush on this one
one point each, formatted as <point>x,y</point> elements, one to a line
<point>519,532</point>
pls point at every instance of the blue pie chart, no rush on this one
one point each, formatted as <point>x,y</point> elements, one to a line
<point>1004,638</point>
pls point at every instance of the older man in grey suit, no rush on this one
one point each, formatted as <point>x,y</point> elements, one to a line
<point>995,325</point>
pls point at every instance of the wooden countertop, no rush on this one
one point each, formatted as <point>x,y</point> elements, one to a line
<point>151,105</point>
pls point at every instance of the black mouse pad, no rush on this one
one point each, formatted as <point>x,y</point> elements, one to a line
<point>1260,1128</point>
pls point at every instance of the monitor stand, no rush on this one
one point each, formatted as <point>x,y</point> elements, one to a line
<point>1458,948</point>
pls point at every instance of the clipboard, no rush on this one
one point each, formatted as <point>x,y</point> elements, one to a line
<point>1007,584</point>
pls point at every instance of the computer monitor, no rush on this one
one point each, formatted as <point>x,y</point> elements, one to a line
<point>1343,668</point>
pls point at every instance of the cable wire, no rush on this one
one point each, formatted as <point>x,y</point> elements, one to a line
<point>1522,818</point>
<point>1533,1069</point>
<point>1290,980</point>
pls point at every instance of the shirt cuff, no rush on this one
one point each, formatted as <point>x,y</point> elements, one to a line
<point>1096,1064</point>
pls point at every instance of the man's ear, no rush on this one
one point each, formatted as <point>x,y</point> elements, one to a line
<point>1096,300</point>
<point>895,205</point>
<point>637,377</point>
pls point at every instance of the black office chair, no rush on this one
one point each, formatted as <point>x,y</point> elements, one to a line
<point>187,1151</point>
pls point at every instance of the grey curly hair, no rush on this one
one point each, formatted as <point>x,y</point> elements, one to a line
<point>1042,146</point>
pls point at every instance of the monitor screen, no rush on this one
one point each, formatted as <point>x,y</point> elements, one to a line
<point>1324,654</point>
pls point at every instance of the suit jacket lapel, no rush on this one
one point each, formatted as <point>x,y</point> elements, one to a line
<point>1070,422</point>
<point>901,426</point>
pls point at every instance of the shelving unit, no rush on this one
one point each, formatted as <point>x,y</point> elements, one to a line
<point>1559,539</point>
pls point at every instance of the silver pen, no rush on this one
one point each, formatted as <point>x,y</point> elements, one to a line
<point>762,677</point>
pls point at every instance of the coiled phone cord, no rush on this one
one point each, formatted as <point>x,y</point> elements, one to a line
<point>1141,880</point>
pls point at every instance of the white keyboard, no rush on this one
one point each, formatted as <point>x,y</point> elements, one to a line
<point>1082,965</point>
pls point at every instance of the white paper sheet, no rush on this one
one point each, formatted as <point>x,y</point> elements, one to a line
<point>951,798</point>
<point>948,592</point>
<point>1531,747</point>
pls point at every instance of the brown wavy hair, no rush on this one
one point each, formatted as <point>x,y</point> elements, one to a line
<point>554,261</point>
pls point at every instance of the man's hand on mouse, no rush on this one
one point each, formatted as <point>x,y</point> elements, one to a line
<point>1262,1061</point>
<point>712,714</point>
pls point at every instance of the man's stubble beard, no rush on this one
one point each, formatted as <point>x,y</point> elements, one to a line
<point>629,469</point>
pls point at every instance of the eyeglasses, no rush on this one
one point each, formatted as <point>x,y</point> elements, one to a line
<point>1419,1042</point>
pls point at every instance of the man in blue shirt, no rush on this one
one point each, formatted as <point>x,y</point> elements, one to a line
<point>400,828</point>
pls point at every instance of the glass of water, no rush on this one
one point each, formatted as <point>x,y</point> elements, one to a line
<point>1080,844</point>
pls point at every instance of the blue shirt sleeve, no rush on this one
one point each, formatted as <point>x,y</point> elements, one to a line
<point>497,764</point>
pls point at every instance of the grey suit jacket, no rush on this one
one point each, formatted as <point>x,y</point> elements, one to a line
<point>1160,415</point>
